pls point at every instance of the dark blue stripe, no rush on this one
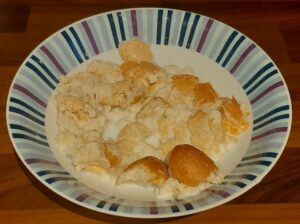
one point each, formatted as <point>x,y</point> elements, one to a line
<point>26,137</point>
<point>25,114</point>
<point>72,46</point>
<point>175,209</point>
<point>20,127</point>
<point>250,177</point>
<point>239,184</point>
<point>274,111</point>
<point>114,207</point>
<point>280,117</point>
<point>46,172</point>
<point>244,176</point>
<point>121,25</point>
<point>75,35</point>
<point>270,74</point>
<point>191,36</point>
<point>159,26</point>
<point>44,67</point>
<point>101,204</point>
<point>259,73</point>
<point>55,179</point>
<point>188,206</point>
<point>233,50</point>
<point>184,25</point>
<point>263,163</point>
<point>228,42</point>
<point>113,29</point>
<point>168,27</point>
<point>38,72</point>
<point>17,101</point>
<point>265,154</point>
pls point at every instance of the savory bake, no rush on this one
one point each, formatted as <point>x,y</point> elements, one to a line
<point>143,124</point>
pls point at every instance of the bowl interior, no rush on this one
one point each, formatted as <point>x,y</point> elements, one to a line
<point>225,48</point>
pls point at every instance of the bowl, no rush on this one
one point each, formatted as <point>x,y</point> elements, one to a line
<point>222,55</point>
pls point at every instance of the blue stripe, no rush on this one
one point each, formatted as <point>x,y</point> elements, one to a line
<point>55,179</point>
<point>46,172</point>
<point>75,35</point>
<point>233,50</point>
<point>25,114</point>
<point>159,26</point>
<point>17,101</point>
<point>259,73</point>
<point>184,25</point>
<point>114,207</point>
<point>262,81</point>
<point>72,46</point>
<point>244,176</point>
<point>175,209</point>
<point>113,29</point>
<point>250,177</point>
<point>191,36</point>
<point>228,42</point>
<point>101,204</point>
<point>265,154</point>
<point>274,111</point>
<point>188,206</point>
<point>239,184</point>
<point>262,162</point>
<point>168,27</point>
<point>121,25</point>
<point>20,127</point>
<point>26,137</point>
<point>44,67</point>
<point>38,72</point>
<point>280,117</point>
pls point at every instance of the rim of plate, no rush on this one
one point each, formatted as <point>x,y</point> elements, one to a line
<point>139,215</point>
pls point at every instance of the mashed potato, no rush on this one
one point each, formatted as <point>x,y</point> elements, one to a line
<point>112,117</point>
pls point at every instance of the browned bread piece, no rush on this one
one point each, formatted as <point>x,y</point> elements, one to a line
<point>204,95</point>
<point>141,72</point>
<point>234,121</point>
<point>135,50</point>
<point>190,166</point>
<point>148,171</point>
<point>183,89</point>
<point>185,83</point>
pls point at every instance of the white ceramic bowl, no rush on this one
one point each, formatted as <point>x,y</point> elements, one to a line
<point>218,52</point>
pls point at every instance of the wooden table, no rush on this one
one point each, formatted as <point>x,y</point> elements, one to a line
<point>274,25</point>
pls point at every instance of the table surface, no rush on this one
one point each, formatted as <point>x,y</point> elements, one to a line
<point>274,25</point>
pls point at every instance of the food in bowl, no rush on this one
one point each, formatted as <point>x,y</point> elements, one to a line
<point>147,125</point>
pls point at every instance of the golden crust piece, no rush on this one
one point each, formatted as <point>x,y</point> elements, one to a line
<point>184,83</point>
<point>204,95</point>
<point>190,166</point>
<point>146,171</point>
<point>182,89</point>
<point>234,120</point>
<point>135,50</point>
<point>141,72</point>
